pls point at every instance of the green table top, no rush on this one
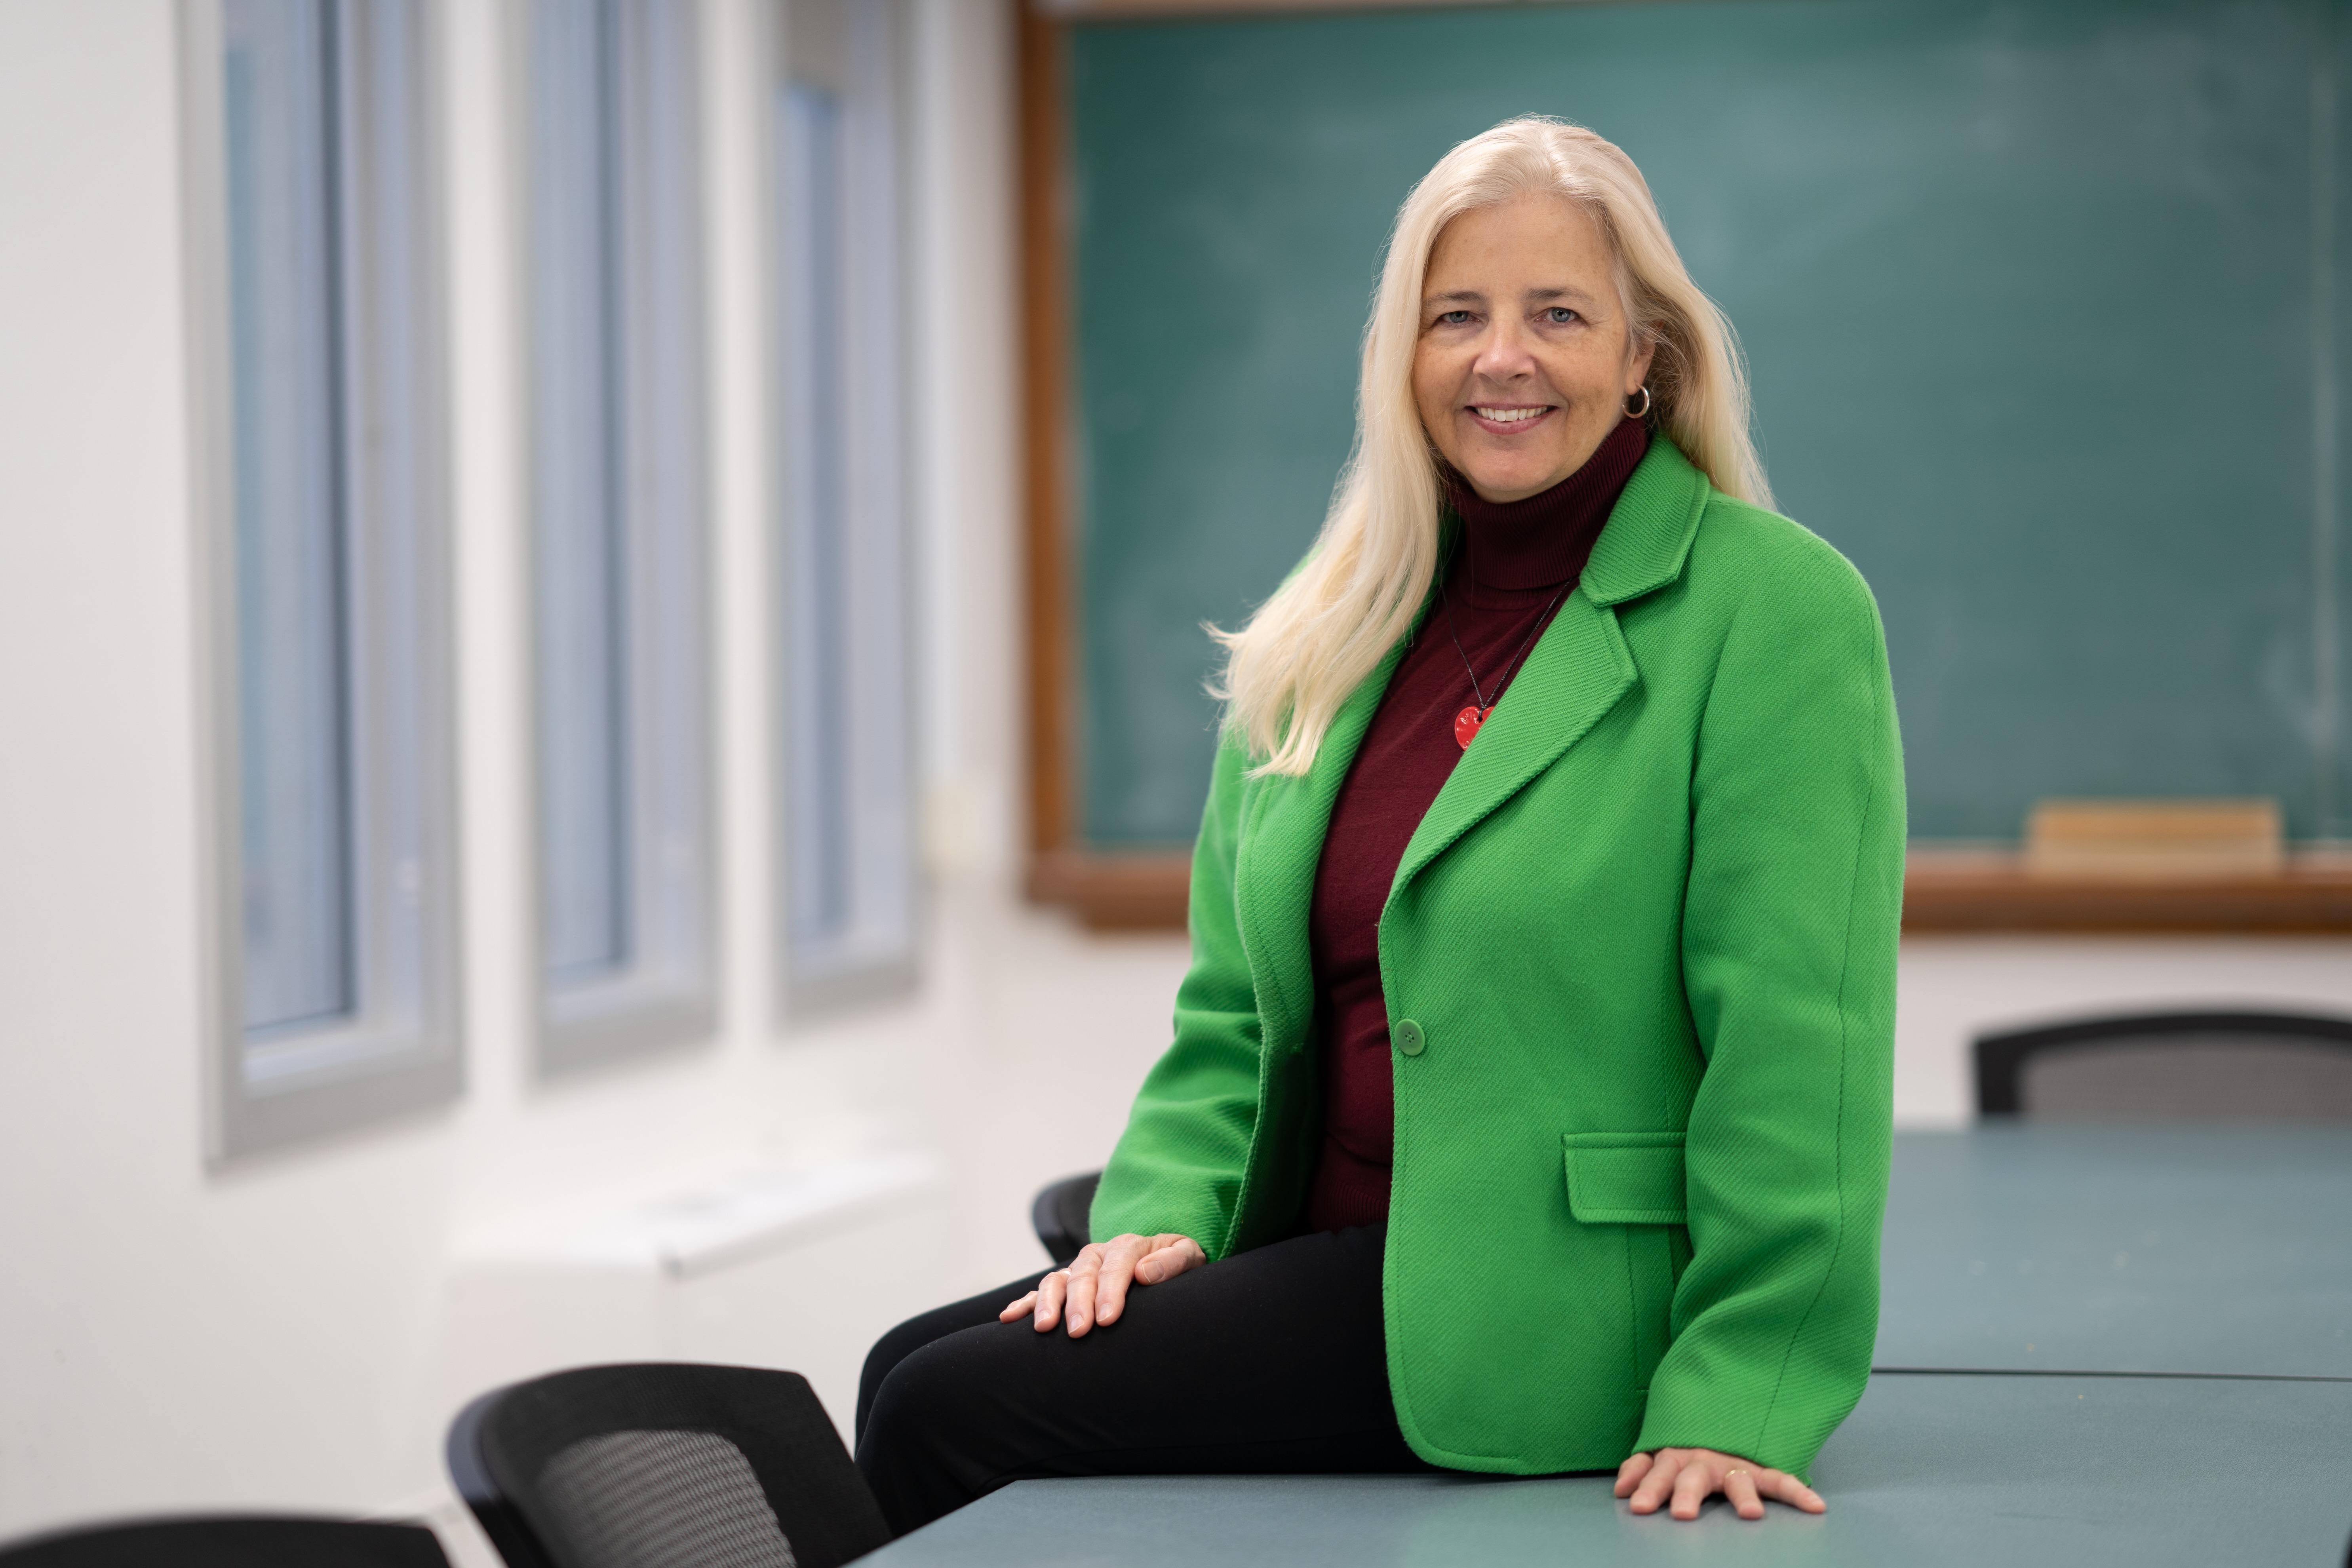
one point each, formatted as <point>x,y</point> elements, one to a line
<point>2136,1329</point>
<point>2092,1248</point>
<point>2016,1470</point>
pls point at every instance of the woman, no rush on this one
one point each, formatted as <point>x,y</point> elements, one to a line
<point>1527,1110</point>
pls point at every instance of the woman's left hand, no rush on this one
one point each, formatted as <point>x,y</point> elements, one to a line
<point>1691,1476</point>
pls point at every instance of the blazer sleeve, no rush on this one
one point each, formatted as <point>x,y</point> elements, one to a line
<point>1789,925</point>
<point>1180,1163</point>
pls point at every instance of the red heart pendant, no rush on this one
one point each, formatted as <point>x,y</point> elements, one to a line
<point>1466,722</point>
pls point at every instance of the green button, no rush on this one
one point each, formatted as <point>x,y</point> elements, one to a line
<point>1409,1037</point>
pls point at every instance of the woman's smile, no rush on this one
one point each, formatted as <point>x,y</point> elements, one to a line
<point>1510,418</point>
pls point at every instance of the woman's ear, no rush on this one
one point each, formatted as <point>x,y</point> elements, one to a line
<point>1637,367</point>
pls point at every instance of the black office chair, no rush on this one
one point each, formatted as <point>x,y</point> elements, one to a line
<point>1059,1216</point>
<point>662,1467</point>
<point>231,1540</point>
<point>2171,1066</point>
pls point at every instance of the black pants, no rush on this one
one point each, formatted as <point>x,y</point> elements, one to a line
<point>1271,1361</point>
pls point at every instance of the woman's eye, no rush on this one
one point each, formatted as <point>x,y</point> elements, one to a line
<point>1452,317</point>
<point>1560,315</point>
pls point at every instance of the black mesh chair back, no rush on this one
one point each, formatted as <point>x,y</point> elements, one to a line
<point>230,1541</point>
<point>1059,1216</point>
<point>662,1467</point>
<point>2171,1066</point>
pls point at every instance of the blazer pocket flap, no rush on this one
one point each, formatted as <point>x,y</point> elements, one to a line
<point>1626,1178</point>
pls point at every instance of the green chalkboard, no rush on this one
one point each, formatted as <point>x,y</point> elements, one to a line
<point>2039,298</point>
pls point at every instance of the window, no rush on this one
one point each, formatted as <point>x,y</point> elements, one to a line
<point>848,844</point>
<point>312,230</point>
<point>619,531</point>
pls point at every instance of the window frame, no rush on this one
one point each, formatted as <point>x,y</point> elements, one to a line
<point>854,51</point>
<point>663,995</point>
<point>399,1050</point>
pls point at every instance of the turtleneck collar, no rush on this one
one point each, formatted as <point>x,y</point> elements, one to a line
<point>1545,540</point>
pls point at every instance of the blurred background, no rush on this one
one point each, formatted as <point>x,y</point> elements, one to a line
<point>600,604</point>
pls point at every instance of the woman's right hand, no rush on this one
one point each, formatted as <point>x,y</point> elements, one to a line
<point>1093,1288</point>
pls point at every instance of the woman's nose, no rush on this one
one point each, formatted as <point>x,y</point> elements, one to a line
<point>1504,355</point>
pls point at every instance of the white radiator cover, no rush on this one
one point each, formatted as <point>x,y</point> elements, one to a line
<point>799,1269</point>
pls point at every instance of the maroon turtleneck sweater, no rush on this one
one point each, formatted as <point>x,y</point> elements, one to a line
<point>1514,559</point>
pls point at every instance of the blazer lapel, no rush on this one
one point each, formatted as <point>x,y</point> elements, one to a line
<point>1580,667</point>
<point>1284,823</point>
<point>1577,672</point>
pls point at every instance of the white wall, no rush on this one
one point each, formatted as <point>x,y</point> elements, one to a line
<point>294,1331</point>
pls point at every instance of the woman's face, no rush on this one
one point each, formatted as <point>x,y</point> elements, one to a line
<point>1524,358</point>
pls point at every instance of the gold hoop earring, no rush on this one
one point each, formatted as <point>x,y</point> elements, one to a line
<point>1642,412</point>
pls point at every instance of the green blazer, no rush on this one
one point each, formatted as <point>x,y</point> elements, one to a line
<point>1639,960</point>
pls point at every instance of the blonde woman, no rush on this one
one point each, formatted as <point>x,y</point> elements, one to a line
<point>1528,1108</point>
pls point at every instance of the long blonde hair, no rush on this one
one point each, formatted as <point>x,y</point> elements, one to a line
<point>1288,671</point>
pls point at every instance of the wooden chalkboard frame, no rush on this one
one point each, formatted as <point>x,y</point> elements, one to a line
<point>1959,891</point>
<point>1107,891</point>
